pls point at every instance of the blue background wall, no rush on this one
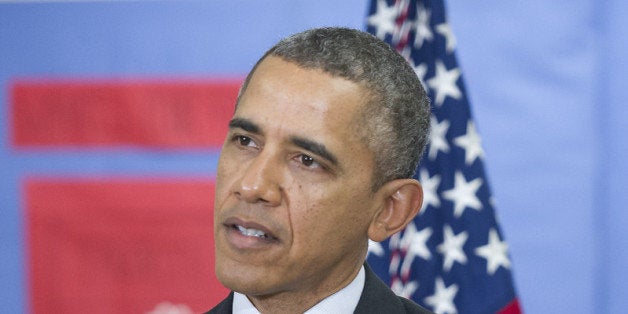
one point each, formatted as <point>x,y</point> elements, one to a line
<point>547,83</point>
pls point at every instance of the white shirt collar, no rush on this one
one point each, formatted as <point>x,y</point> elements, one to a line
<point>343,301</point>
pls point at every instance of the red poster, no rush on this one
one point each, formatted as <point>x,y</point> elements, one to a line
<point>114,246</point>
<point>168,114</point>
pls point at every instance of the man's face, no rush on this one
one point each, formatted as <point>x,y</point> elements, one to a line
<point>293,196</point>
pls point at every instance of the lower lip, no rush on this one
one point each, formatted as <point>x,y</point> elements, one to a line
<point>241,241</point>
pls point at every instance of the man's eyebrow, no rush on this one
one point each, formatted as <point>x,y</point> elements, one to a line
<point>244,124</point>
<point>314,147</point>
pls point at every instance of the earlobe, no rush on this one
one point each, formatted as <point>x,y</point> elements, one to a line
<point>401,201</point>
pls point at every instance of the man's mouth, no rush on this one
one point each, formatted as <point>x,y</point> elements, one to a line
<point>250,232</point>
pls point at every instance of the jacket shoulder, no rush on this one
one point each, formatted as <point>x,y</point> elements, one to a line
<point>224,307</point>
<point>411,307</point>
<point>378,298</point>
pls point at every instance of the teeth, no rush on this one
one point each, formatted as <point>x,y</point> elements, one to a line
<point>251,232</point>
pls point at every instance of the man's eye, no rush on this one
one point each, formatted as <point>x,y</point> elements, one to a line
<point>244,140</point>
<point>309,162</point>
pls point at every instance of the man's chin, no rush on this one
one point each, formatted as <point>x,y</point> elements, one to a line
<point>245,280</point>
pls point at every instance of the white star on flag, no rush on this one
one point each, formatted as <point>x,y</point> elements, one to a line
<point>383,19</point>
<point>444,83</point>
<point>464,194</point>
<point>406,290</point>
<point>471,143</point>
<point>450,39</point>
<point>438,141</point>
<point>422,27</point>
<point>430,188</point>
<point>420,70</point>
<point>495,252</point>
<point>375,248</point>
<point>415,244</point>
<point>451,247</point>
<point>442,301</point>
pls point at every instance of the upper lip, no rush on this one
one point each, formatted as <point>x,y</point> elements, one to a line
<point>235,221</point>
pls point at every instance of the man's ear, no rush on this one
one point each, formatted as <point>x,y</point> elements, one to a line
<point>401,200</point>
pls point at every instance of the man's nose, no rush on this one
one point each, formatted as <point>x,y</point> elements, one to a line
<point>260,182</point>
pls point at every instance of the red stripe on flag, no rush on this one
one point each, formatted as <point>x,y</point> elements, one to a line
<point>169,114</point>
<point>512,308</point>
<point>118,246</point>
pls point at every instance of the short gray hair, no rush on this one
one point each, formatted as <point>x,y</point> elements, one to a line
<point>395,121</point>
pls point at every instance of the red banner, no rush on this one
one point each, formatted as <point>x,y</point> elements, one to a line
<point>121,246</point>
<point>176,114</point>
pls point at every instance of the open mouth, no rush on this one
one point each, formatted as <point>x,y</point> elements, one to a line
<point>252,232</point>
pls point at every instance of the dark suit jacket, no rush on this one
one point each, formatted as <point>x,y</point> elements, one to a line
<point>376,298</point>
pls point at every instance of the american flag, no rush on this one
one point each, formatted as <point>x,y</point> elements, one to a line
<point>453,257</point>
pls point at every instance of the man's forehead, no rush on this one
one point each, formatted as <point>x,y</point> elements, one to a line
<point>302,89</point>
<point>306,102</point>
